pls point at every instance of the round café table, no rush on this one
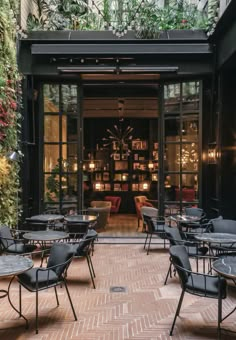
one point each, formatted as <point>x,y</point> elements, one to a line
<point>226,266</point>
<point>86,219</point>
<point>12,265</point>
<point>47,218</point>
<point>219,238</point>
<point>44,236</point>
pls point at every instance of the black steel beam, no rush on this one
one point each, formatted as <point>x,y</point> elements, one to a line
<point>119,49</point>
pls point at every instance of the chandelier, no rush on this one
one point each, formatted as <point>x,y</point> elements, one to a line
<point>119,139</point>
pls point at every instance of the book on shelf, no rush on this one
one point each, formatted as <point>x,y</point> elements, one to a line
<point>135,187</point>
<point>117,187</point>
<point>124,187</point>
<point>107,187</point>
<point>106,176</point>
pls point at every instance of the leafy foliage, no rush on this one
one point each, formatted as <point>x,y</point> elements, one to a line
<point>147,18</point>
<point>10,92</point>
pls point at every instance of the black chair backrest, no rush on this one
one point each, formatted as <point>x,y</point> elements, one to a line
<point>223,226</point>
<point>87,240</point>
<point>193,211</point>
<point>34,225</point>
<point>5,236</point>
<point>180,258</point>
<point>173,235</point>
<point>77,228</point>
<point>59,254</point>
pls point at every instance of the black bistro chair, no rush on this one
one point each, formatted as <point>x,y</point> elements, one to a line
<point>84,249</point>
<point>196,283</point>
<point>154,226</point>
<point>194,226</point>
<point>11,244</point>
<point>194,249</point>
<point>38,278</point>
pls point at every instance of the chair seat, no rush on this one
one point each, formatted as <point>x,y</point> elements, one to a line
<point>45,278</point>
<point>205,286</point>
<point>21,248</point>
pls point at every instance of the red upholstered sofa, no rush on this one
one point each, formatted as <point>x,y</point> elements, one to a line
<point>115,203</point>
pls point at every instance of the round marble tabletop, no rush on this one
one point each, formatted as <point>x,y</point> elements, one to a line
<point>225,266</point>
<point>216,238</point>
<point>14,265</point>
<point>81,218</point>
<point>187,218</point>
<point>45,235</point>
<point>46,218</point>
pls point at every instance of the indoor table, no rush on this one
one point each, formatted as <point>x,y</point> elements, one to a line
<point>12,265</point>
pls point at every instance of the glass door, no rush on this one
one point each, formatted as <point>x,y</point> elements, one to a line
<point>182,146</point>
<point>62,147</point>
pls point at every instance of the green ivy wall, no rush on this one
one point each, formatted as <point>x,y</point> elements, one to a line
<point>10,92</point>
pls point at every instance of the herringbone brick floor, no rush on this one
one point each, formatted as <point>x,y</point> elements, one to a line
<point>143,312</point>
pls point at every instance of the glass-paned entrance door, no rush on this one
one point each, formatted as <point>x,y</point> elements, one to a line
<point>182,148</point>
<point>60,147</point>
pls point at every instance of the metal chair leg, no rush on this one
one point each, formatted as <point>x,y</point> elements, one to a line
<point>91,265</point>
<point>177,311</point>
<point>36,319</point>
<point>55,289</point>
<point>145,242</point>
<point>149,244</point>
<point>219,316</point>
<point>168,273</point>
<point>71,304</point>
<point>91,273</point>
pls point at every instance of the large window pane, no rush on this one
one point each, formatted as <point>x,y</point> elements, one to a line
<point>69,98</point>
<point>51,156</point>
<point>190,129</point>
<point>51,128</point>
<point>51,98</point>
<point>172,98</point>
<point>172,157</point>
<point>190,96</point>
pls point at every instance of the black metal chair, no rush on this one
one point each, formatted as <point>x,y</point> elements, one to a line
<point>155,226</point>
<point>220,225</point>
<point>194,226</point>
<point>33,225</point>
<point>12,244</point>
<point>84,248</point>
<point>196,283</point>
<point>38,278</point>
<point>194,249</point>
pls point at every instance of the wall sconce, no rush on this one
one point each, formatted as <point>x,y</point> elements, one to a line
<point>212,155</point>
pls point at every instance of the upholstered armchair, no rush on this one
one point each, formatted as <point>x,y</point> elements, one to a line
<point>140,201</point>
<point>115,203</point>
